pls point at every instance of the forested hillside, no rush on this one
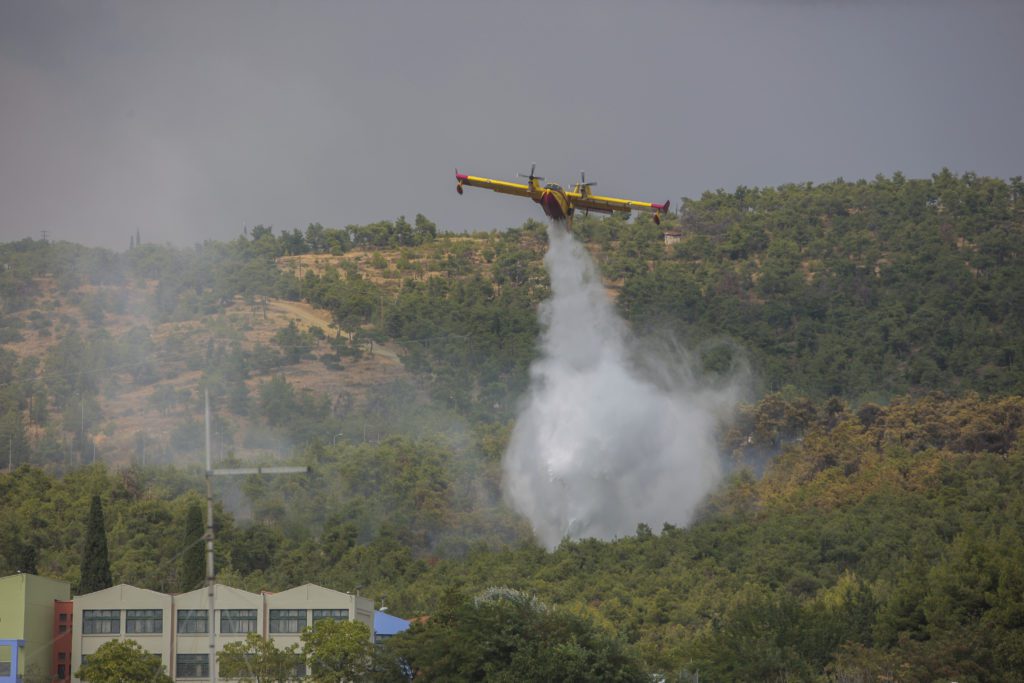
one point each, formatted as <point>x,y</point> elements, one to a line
<point>871,524</point>
<point>861,290</point>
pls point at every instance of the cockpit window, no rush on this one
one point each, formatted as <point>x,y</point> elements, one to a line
<point>552,186</point>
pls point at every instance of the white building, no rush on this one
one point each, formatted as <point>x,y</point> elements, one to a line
<point>292,610</point>
<point>175,627</point>
<point>121,612</point>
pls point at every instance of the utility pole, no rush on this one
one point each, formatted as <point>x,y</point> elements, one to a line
<point>211,624</point>
<point>210,574</point>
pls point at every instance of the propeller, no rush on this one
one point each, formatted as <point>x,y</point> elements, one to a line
<point>583,181</point>
<point>533,167</point>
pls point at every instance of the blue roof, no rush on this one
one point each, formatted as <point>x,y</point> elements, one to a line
<point>385,624</point>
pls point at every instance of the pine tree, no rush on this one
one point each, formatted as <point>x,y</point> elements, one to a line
<point>193,566</point>
<point>95,564</point>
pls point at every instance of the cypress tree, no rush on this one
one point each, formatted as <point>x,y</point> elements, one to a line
<point>193,565</point>
<point>95,564</point>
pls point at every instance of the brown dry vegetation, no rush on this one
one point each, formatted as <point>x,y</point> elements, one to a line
<point>421,263</point>
<point>127,408</point>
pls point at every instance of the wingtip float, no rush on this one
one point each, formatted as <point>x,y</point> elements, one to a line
<point>558,203</point>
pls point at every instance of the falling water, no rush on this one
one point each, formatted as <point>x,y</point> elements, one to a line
<point>610,435</point>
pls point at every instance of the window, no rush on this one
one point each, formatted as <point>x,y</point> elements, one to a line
<point>60,671</point>
<point>238,621</point>
<point>336,614</point>
<point>144,621</point>
<point>63,628</point>
<point>193,621</point>
<point>64,617</point>
<point>192,666</point>
<point>287,620</point>
<point>101,621</point>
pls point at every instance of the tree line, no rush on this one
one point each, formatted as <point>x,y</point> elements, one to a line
<point>880,541</point>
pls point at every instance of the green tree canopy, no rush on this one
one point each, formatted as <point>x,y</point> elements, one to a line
<point>338,651</point>
<point>117,661</point>
<point>507,635</point>
<point>258,659</point>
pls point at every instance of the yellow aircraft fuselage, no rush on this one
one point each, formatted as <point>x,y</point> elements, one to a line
<point>558,203</point>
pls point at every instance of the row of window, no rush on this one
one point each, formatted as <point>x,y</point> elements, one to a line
<point>197,620</point>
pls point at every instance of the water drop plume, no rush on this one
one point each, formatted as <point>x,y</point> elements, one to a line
<point>610,434</point>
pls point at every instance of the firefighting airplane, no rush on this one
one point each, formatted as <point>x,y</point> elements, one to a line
<point>558,203</point>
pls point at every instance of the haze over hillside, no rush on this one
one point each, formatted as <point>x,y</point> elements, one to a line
<point>875,472</point>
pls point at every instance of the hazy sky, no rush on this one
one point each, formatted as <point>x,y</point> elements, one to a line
<point>186,120</point>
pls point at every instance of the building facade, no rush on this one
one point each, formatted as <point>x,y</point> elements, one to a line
<point>176,627</point>
<point>26,624</point>
<point>290,611</point>
<point>121,612</point>
<point>63,627</point>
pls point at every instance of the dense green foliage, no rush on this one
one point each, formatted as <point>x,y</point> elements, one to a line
<point>868,528</point>
<point>338,651</point>
<point>864,289</point>
<point>193,557</point>
<point>886,539</point>
<point>506,635</point>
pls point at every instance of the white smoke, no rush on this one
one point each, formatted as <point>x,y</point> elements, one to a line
<point>610,434</point>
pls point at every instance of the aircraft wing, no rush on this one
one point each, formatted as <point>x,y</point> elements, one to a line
<point>612,204</point>
<point>497,185</point>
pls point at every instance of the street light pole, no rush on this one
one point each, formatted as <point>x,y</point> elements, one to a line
<point>210,575</point>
